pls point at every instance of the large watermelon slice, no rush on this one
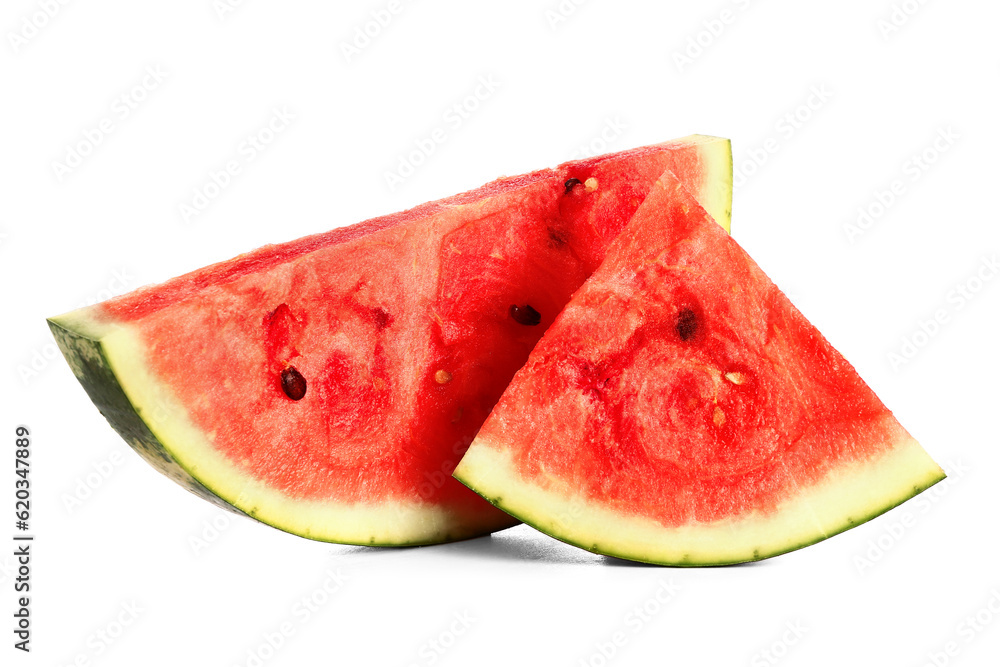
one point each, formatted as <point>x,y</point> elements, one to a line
<point>680,410</point>
<point>329,386</point>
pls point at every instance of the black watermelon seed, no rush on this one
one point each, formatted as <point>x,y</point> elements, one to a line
<point>556,239</point>
<point>293,384</point>
<point>526,315</point>
<point>687,324</point>
<point>381,317</point>
<point>571,182</point>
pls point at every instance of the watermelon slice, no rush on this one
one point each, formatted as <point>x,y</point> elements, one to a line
<point>681,411</point>
<point>329,386</point>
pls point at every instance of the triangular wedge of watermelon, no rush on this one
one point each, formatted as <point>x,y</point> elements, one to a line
<point>682,411</point>
<point>329,386</point>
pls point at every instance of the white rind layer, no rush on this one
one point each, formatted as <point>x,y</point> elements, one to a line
<point>848,496</point>
<point>714,194</point>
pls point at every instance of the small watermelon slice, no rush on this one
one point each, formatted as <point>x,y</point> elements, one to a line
<point>681,411</point>
<point>328,386</point>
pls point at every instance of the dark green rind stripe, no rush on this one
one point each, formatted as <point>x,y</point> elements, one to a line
<point>86,357</point>
<point>754,555</point>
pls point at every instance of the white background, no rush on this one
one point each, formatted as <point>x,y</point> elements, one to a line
<point>891,592</point>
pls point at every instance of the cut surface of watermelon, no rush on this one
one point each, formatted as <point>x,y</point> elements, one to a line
<point>682,411</point>
<point>328,386</point>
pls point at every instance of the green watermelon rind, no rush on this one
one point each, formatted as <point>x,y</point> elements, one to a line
<point>905,471</point>
<point>89,362</point>
<point>109,367</point>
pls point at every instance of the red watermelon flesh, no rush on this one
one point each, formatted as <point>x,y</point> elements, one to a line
<point>329,386</point>
<point>682,411</point>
